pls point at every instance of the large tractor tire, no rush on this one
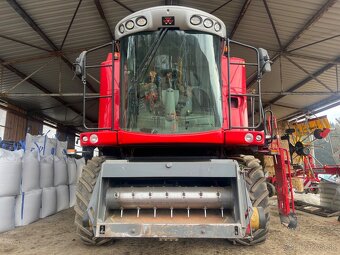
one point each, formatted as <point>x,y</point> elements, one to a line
<point>259,196</point>
<point>271,189</point>
<point>85,187</point>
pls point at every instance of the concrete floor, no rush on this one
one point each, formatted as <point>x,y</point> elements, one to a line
<point>55,235</point>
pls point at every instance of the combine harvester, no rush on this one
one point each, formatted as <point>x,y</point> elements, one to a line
<point>177,135</point>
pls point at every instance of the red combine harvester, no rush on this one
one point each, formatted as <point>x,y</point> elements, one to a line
<point>177,132</point>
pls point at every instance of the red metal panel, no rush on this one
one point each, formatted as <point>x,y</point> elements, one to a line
<point>211,137</point>
<point>105,104</point>
<point>239,112</point>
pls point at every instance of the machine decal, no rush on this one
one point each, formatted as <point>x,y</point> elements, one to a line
<point>102,229</point>
<point>168,21</point>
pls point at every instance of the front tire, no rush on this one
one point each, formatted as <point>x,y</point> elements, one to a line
<point>259,196</point>
<point>271,189</point>
<point>85,187</point>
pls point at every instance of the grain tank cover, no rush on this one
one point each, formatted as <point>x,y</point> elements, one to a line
<point>180,17</point>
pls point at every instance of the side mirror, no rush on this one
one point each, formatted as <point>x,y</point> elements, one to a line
<point>80,63</point>
<point>264,61</point>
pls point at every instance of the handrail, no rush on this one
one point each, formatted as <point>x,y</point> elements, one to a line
<point>252,97</point>
<point>85,97</point>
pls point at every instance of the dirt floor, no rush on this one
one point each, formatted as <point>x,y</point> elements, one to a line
<point>56,235</point>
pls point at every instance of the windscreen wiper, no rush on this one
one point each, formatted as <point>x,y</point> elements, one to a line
<point>133,97</point>
<point>150,55</point>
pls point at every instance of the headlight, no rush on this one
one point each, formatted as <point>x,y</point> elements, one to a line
<point>217,26</point>
<point>208,23</point>
<point>249,137</point>
<point>196,20</point>
<point>129,25</point>
<point>85,139</point>
<point>121,28</point>
<point>258,138</point>
<point>93,138</point>
<point>141,21</point>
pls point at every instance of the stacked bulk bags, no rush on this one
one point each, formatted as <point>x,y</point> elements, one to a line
<point>72,171</point>
<point>48,202</point>
<point>38,196</point>
<point>36,183</point>
<point>10,172</point>
<point>61,150</point>
<point>60,171</point>
<point>63,197</point>
<point>7,221</point>
<point>61,183</point>
<point>80,164</point>
<point>46,172</point>
<point>34,144</point>
<point>27,207</point>
<point>28,202</point>
<point>40,144</point>
<point>50,146</point>
<point>30,172</point>
<point>72,190</point>
<point>72,179</point>
<point>49,192</point>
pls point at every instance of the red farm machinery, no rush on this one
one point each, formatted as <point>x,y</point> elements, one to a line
<point>300,139</point>
<point>177,134</point>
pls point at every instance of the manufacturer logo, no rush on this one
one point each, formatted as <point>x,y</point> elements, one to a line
<point>168,21</point>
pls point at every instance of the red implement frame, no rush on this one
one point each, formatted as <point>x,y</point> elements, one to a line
<point>283,183</point>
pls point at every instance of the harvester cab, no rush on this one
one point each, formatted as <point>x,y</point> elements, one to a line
<point>175,123</point>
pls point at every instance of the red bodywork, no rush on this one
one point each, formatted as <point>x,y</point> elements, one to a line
<point>114,136</point>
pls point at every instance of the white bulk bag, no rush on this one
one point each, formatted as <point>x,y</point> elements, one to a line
<point>30,172</point>
<point>10,172</point>
<point>7,221</point>
<point>61,149</point>
<point>27,207</point>
<point>35,143</point>
<point>63,198</point>
<point>72,189</point>
<point>71,170</point>
<point>48,202</point>
<point>60,171</point>
<point>46,172</point>
<point>50,147</point>
<point>11,155</point>
<point>80,164</point>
